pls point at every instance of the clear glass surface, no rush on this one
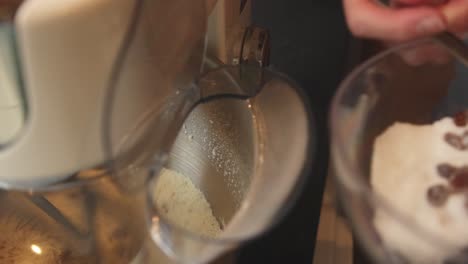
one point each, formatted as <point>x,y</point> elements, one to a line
<point>250,132</point>
<point>96,220</point>
<point>384,91</point>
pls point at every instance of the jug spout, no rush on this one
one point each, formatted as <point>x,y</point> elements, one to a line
<point>148,143</point>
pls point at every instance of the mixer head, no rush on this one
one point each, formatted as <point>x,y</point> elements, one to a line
<point>61,60</point>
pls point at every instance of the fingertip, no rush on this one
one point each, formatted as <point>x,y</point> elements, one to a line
<point>456,15</point>
<point>369,20</point>
<point>416,22</point>
<point>429,25</point>
<point>423,54</point>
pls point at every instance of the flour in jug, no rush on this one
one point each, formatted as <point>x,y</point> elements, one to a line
<point>180,201</point>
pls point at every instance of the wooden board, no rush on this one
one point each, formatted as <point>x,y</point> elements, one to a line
<point>334,244</point>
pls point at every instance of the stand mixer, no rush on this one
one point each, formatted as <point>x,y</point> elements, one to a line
<point>95,94</point>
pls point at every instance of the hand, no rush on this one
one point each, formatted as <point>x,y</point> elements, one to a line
<point>406,20</point>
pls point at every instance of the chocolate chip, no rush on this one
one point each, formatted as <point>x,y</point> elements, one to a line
<point>446,170</point>
<point>454,141</point>
<point>437,195</point>
<point>460,119</point>
<point>460,179</point>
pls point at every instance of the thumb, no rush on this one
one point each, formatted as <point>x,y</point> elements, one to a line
<point>456,14</point>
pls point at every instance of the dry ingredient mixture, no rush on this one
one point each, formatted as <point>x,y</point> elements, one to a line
<point>422,170</point>
<point>183,203</point>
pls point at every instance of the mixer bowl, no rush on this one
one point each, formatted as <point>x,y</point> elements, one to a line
<point>380,93</point>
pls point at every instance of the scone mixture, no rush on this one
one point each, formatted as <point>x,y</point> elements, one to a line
<point>422,171</point>
<point>184,204</point>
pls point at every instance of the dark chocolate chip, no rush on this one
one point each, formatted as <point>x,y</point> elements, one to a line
<point>460,179</point>
<point>454,141</point>
<point>437,195</point>
<point>460,119</point>
<point>446,170</point>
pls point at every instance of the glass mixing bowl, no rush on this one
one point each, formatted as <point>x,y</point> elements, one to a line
<point>393,221</point>
<point>91,219</point>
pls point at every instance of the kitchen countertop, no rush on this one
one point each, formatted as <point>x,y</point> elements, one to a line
<point>334,243</point>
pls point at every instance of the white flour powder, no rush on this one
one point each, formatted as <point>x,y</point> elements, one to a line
<point>184,204</point>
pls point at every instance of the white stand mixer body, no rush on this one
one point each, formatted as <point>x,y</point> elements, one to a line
<point>67,50</point>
